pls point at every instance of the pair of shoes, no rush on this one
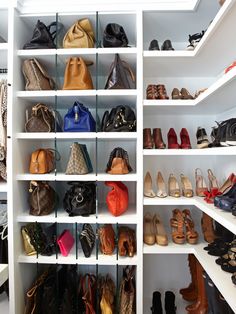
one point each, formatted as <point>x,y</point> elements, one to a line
<point>181,222</point>
<point>156,138</point>
<point>229,264</point>
<point>153,230</point>
<point>202,140</point>
<point>184,137</point>
<point>224,258</point>
<point>161,188</point>
<point>194,40</point>
<point>181,94</point>
<point>156,92</point>
<point>167,45</point>
<point>170,307</point>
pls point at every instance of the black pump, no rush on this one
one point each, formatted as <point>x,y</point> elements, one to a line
<point>156,303</point>
<point>167,45</point>
<point>170,306</point>
<point>154,45</point>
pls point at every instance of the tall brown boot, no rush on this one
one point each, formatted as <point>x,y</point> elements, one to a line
<point>190,293</point>
<point>157,137</point>
<point>201,305</point>
<point>207,228</point>
<point>147,138</point>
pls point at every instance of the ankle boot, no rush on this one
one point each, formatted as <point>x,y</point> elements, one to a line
<point>157,138</point>
<point>156,303</point>
<point>201,305</point>
<point>147,139</point>
<point>190,293</point>
<point>207,228</point>
<point>170,303</point>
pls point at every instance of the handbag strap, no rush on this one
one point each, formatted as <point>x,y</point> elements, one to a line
<point>58,29</point>
<point>51,150</point>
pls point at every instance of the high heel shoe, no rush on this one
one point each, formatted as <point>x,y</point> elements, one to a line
<point>187,189</point>
<point>213,187</point>
<point>185,94</point>
<point>185,140</point>
<point>172,139</point>
<point>148,229</point>
<point>161,235</point>
<point>191,233</point>
<point>227,202</point>
<point>148,191</point>
<point>173,186</point>
<point>161,187</point>
<point>177,225</point>
<point>201,187</point>
<point>208,228</point>
<point>226,189</point>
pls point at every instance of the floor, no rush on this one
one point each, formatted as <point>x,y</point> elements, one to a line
<point>4,304</point>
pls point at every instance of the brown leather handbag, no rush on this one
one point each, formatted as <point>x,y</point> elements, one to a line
<point>107,239</point>
<point>107,289</point>
<point>41,119</point>
<point>118,162</point>
<point>36,78</point>
<point>77,75</point>
<point>126,241</point>
<point>87,294</point>
<point>80,35</point>
<point>127,292</point>
<point>42,161</point>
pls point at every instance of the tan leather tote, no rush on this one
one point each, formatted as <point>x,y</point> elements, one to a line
<point>42,161</point>
<point>79,35</point>
<point>77,76</point>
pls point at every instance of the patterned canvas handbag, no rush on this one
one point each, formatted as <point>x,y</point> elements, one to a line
<point>78,163</point>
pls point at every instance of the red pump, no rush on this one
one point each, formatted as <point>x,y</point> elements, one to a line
<point>172,139</point>
<point>185,140</point>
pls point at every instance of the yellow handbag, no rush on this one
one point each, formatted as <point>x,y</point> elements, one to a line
<point>79,35</point>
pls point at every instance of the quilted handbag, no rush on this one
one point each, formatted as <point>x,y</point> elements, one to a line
<point>114,36</point>
<point>118,162</point>
<point>87,239</point>
<point>65,242</point>
<point>118,198</point>
<point>79,119</point>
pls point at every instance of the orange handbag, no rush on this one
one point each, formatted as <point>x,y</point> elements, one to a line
<point>42,161</point>
<point>118,198</point>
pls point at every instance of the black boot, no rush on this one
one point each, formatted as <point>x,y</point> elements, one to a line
<point>156,303</point>
<point>167,45</point>
<point>154,45</point>
<point>170,303</point>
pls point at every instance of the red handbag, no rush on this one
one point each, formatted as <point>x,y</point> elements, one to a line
<point>118,198</point>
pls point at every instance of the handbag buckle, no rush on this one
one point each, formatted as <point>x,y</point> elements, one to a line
<point>79,198</point>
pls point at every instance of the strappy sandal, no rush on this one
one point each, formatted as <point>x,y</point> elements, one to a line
<point>152,92</point>
<point>177,225</point>
<point>191,234</point>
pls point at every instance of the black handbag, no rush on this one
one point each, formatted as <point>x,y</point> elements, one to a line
<point>50,240</point>
<point>120,119</point>
<point>80,199</point>
<point>87,239</point>
<point>114,36</point>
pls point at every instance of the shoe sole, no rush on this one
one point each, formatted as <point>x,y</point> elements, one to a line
<point>203,145</point>
<point>230,143</point>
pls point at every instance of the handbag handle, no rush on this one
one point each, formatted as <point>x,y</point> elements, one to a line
<point>49,149</point>
<point>128,68</point>
<point>78,61</point>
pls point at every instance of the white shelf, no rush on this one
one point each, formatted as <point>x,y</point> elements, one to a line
<point>69,177</point>
<point>169,200</point>
<point>4,46</point>
<point>77,135</point>
<point>117,177</point>
<point>3,187</point>
<point>128,217</point>
<point>171,248</point>
<point>37,177</point>
<point>215,151</point>
<point>3,273</point>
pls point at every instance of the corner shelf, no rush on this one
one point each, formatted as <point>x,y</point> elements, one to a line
<point>215,151</point>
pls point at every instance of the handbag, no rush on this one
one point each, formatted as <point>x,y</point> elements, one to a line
<point>79,35</point>
<point>50,240</point>
<point>79,119</point>
<point>107,299</point>
<point>43,161</point>
<point>77,75</point>
<point>126,241</point>
<point>114,36</point>
<point>107,239</point>
<point>120,119</point>
<point>42,198</point>
<point>118,162</point>
<point>79,160</point>
<point>80,199</point>
<point>36,78</point>
<point>87,239</point>
<point>65,242</point>
<point>117,78</point>
<point>127,291</point>
<point>118,198</point>
<point>32,235</point>
<point>87,294</point>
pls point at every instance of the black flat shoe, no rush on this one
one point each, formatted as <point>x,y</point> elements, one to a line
<point>154,45</point>
<point>219,250</point>
<point>230,266</point>
<point>167,45</point>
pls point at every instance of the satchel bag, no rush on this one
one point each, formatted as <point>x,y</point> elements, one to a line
<point>43,161</point>
<point>79,119</point>
<point>79,161</point>
<point>36,78</point>
<point>65,242</point>
<point>118,78</point>
<point>79,35</point>
<point>127,292</point>
<point>114,36</point>
<point>120,119</point>
<point>118,198</point>
<point>77,75</point>
<point>87,239</point>
<point>126,241</point>
<point>107,239</point>
<point>118,162</point>
<point>80,199</point>
<point>42,199</point>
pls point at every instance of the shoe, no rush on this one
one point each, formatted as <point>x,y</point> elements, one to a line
<point>233,278</point>
<point>215,137</point>
<point>220,249</point>
<point>156,303</point>
<point>161,235</point>
<point>227,202</point>
<point>147,139</point>
<point>161,92</point>
<point>202,140</point>
<point>230,132</point>
<point>194,40</point>
<point>170,306</point>
<point>173,186</point>
<point>221,2</point>
<point>154,45</point>
<point>224,258</point>
<point>185,94</point>
<point>213,183</point>
<point>148,230</point>
<point>151,92</point>
<point>199,92</point>
<point>187,189</point>
<point>175,94</point>
<point>172,139</point>
<point>230,265</point>
<point>185,140</point>
<point>191,233</point>
<point>177,226</point>
<point>190,293</point>
<point>157,138</point>
<point>207,228</point>
<point>232,65</point>
<point>161,187</point>
<point>148,191</point>
<point>226,189</point>
<point>167,45</point>
<point>201,188</point>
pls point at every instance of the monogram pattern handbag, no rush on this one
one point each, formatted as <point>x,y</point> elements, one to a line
<point>118,162</point>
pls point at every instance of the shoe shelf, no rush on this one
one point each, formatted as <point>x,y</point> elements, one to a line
<point>214,151</point>
<point>3,273</point>
<point>171,248</point>
<point>77,135</point>
<point>3,187</point>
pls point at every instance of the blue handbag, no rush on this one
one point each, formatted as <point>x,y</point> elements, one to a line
<point>79,119</point>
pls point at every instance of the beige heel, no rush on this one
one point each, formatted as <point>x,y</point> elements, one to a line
<point>187,188</point>
<point>173,186</point>
<point>148,229</point>
<point>201,187</point>
<point>161,235</point>
<point>148,191</point>
<point>161,187</point>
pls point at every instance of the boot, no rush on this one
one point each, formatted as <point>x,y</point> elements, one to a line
<point>170,303</point>
<point>190,293</point>
<point>207,228</point>
<point>147,138</point>
<point>156,303</point>
<point>157,138</point>
<point>201,305</point>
